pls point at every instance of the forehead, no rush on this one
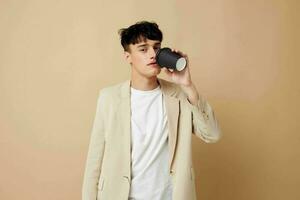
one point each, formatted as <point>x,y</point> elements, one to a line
<point>146,42</point>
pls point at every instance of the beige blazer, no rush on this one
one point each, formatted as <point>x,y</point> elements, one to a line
<point>108,166</point>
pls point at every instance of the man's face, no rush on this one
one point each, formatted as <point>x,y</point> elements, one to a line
<point>141,56</point>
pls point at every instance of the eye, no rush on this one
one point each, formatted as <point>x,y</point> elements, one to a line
<point>143,50</point>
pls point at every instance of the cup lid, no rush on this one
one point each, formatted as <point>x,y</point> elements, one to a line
<point>180,64</point>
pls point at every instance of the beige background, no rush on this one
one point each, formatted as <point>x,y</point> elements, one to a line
<point>244,57</point>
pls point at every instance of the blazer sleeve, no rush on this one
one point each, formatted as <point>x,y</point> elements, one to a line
<point>95,154</point>
<point>205,124</point>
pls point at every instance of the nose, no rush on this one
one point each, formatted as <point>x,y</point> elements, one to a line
<point>152,53</point>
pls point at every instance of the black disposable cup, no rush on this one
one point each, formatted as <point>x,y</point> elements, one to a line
<point>165,57</point>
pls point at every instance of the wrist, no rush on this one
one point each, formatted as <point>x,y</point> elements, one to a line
<point>191,93</point>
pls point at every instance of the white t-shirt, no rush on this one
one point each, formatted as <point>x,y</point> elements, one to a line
<point>149,140</point>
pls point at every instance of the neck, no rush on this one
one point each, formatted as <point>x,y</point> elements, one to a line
<point>143,83</point>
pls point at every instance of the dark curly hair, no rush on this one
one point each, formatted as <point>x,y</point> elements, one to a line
<point>139,32</point>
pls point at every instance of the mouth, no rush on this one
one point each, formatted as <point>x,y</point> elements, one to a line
<point>153,63</point>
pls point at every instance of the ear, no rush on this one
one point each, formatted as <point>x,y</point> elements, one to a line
<point>127,56</point>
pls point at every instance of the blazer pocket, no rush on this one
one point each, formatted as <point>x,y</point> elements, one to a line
<point>192,173</point>
<point>101,184</point>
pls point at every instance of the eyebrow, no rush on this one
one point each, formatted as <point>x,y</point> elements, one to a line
<point>144,45</point>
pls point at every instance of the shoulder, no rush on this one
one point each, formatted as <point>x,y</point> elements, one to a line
<point>168,86</point>
<point>172,89</point>
<point>112,91</point>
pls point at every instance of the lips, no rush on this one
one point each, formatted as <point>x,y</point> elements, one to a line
<point>153,63</point>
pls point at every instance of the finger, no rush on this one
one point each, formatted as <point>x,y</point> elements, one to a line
<point>174,49</point>
<point>180,52</point>
<point>167,71</point>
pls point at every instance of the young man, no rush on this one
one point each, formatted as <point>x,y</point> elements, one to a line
<point>140,146</point>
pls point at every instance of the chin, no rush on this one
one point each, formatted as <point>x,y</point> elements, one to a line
<point>156,72</point>
<point>153,74</point>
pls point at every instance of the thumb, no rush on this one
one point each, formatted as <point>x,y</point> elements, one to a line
<point>169,73</point>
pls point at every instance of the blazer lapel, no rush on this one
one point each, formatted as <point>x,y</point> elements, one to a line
<point>125,122</point>
<point>172,109</point>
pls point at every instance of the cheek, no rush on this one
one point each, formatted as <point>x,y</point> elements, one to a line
<point>138,59</point>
